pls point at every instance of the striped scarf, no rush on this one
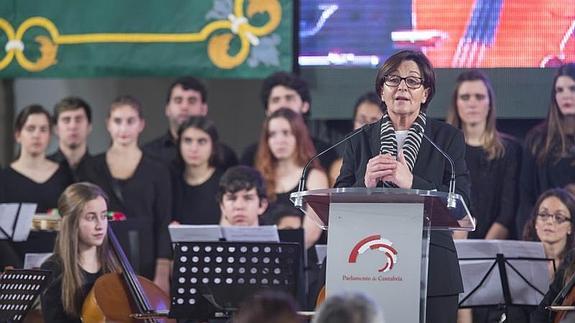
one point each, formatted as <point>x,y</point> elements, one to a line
<point>411,145</point>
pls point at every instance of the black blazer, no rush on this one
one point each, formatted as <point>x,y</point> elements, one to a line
<point>431,171</point>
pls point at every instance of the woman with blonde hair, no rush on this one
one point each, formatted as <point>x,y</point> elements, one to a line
<point>493,158</point>
<point>81,254</point>
<point>284,148</point>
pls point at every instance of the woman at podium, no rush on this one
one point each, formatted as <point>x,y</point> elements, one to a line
<point>393,153</point>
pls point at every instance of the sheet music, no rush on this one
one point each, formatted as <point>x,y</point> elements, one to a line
<point>35,260</point>
<point>192,233</point>
<point>263,233</point>
<point>491,292</point>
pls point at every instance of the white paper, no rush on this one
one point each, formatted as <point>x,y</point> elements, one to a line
<point>321,251</point>
<point>24,224</point>
<point>35,260</point>
<point>263,233</point>
<point>491,291</point>
<point>8,212</point>
<point>192,233</point>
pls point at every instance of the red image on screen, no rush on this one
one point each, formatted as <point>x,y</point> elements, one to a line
<point>493,33</point>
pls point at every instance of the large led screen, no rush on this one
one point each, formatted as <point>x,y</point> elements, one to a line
<point>461,33</point>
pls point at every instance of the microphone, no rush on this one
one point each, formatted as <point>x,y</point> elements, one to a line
<point>301,187</point>
<point>451,201</point>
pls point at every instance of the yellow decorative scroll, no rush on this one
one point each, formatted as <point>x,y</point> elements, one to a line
<point>218,45</point>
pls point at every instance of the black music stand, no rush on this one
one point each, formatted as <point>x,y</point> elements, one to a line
<point>18,290</point>
<point>502,264</point>
<point>211,279</point>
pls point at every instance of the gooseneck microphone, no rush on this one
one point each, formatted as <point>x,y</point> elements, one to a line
<point>301,187</point>
<point>451,201</point>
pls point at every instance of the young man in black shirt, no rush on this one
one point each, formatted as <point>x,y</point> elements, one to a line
<point>186,97</point>
<point>72,125</point>
<point>287,90</point>
<point>242,196</point>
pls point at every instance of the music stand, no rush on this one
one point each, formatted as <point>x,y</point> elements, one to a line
<point>16,220</point>
<point>500,280</point>
<point>211,279</point>
<point>18,290</point>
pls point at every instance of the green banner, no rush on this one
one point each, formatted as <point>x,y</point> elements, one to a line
<point>204,38</point>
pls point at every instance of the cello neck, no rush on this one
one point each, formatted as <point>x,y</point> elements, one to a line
<point>130,277</point>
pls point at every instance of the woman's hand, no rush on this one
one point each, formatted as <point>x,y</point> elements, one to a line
<point>387,168</point>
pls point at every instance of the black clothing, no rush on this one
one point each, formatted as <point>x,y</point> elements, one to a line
<point>249,155</point>
<point>164,148</point>
<point>51,298</point>
<point>282,205</point>
<point>76,173</point>
<point>146,200</point>
<point>536,179</point>
<point>17,188</point>
<point>196,204</point>
<point>541,315</point>
<point>431,171</point>
<point>493,187</point>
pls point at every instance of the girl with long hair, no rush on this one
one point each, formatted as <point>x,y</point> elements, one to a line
<point>549,155</point>
<point>493,158</point>
<point>284,149</point>
<point>196,173</point>
<point>140,188</point>
<point>81,253</point>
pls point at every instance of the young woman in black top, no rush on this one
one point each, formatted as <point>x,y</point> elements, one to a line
<point>493,158</point>
<point>81,254</point>
<point>32,178</point>
<point>140,188</point>
<point>284,148</point>
<point>196,173</point>
<point>549,155</point>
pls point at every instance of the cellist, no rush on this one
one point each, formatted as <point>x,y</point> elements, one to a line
<point>81,253</point>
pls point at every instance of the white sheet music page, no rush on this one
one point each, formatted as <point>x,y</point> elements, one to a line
<point>9,213</point>
<point>27,211</point>
<point>192,233</point>
<point>263,233</point>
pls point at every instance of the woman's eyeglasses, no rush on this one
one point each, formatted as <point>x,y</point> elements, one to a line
<point>412,82</point>
<point>557,218</point>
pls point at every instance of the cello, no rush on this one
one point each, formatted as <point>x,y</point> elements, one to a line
<point>115,297</point>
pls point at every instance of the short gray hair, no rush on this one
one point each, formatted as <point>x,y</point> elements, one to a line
<point>349,308</point>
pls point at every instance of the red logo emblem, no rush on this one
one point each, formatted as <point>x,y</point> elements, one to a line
<point>377,243</point>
